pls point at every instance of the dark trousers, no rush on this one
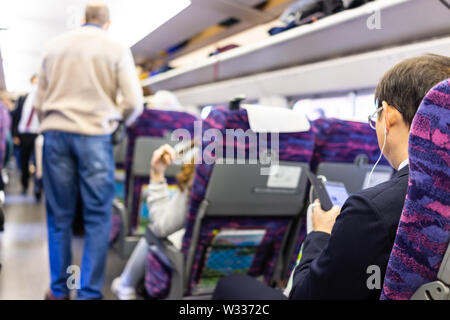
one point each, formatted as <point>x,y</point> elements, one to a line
<point>243,287</point>
<point>26,151</point>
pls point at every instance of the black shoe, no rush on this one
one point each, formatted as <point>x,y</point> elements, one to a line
<point>49,296</point>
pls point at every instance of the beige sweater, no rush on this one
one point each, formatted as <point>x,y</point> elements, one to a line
<point>83,76</point>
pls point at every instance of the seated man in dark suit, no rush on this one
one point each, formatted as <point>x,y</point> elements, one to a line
<point>346,255</point>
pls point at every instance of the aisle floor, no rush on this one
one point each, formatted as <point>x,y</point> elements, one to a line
<point>24,249</point>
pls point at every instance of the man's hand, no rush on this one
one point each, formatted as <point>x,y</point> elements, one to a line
<point>324,220</point>
<point>16,141</point>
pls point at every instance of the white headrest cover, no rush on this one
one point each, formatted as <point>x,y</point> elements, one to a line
<point>273,119</point>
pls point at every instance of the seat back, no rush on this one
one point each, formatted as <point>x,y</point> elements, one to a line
<point>140,169</point>
<point>354,177</point>
<point>423,233</point>
<point>239,197</point>
<point>296,147</point>
<point>342,141</point>
<point>236,190</point>
<point>150,124</point>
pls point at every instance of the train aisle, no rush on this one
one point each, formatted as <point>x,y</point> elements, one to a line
<point>24,252</point>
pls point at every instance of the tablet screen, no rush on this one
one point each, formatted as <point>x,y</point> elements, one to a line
<point>337,192</point>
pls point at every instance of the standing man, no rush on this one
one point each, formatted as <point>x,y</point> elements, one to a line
<point>82,73</point>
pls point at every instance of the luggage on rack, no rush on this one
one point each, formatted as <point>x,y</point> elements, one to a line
<point>306,11</point>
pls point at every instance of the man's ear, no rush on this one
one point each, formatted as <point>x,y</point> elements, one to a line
<point>392,116</point>
<point>387,114</point>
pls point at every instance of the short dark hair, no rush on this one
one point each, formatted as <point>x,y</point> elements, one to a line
<point>407,83</point>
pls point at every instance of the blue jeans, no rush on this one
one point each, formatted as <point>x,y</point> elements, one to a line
<point>74,163</point>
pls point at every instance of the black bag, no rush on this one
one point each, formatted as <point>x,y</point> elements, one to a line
<point>307,8</point>
<point>307,11</point>
<point>119,134</point>
<point>357,3</point>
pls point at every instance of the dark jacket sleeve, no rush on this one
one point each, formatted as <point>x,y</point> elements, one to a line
<point>335,267</point>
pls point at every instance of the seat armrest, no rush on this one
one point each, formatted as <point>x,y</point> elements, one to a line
<point>439,289</point>
<point>119,209</point>
<point>152,239</point>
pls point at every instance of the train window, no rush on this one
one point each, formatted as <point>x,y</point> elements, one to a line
<point>364,105</point>
<point>340,107</point>
<point>353,106</point>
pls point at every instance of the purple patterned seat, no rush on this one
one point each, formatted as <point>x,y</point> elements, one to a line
<point>151,123</point>
<point>5,123</point>
<point>116,224</point>
<point>423,234</point>
<point>342,141</point>
<point>292,147</point>
<point>158,273</point>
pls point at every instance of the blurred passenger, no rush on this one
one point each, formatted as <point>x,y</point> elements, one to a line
<point>38,153</point>
<point>26,129</point>
<point>167,218</point>
<point>166,100</point>
<point>82,73</point>
<point>347,243</point>
<point>5,124</point>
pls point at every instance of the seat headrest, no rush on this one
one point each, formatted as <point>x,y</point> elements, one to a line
<point>266,119</point>
<point>423,233</point>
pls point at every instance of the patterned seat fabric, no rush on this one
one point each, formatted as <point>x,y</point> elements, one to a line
<point>151,123</point>
<point>292,147</point>
<point>114,232</point>
<point>5,123</point>
<point>342,141</point>
<point>158,273</point>
<point>424,230</point>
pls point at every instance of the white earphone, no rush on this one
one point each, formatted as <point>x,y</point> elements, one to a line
<point>376,163</point>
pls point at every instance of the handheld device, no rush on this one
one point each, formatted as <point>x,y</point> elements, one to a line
<point>320,191</point>
<point>337,192</point>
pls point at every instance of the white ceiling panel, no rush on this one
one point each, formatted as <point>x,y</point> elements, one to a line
<point>202,14</point>
<point>31,24</point>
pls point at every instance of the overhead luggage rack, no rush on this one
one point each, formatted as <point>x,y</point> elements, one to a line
<point>201,15</point>
<point>400,22</point>
<point>352,73</point>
